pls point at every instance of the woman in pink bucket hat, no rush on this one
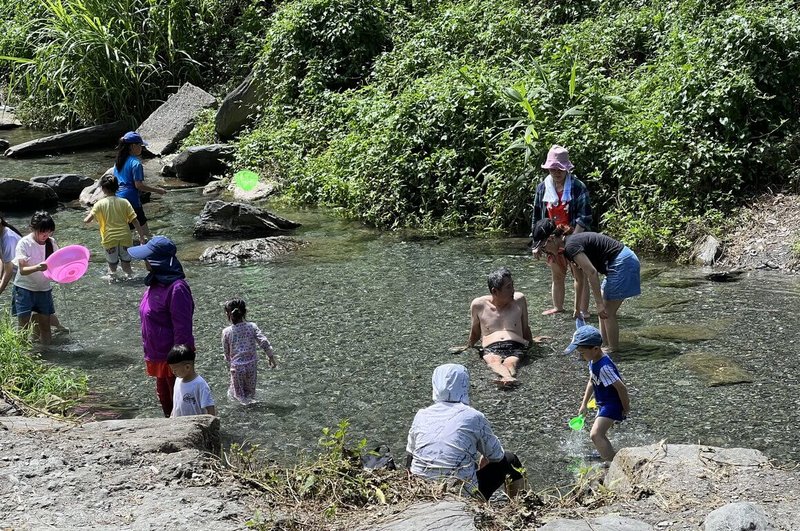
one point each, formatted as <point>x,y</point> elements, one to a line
<point>564,199</point>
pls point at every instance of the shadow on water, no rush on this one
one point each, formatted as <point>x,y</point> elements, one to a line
<point>359,320</point>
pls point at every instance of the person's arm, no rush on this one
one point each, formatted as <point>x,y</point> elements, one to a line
<point>475,328</point>
<point>582,206</point>
<point>226,346</point>
<point>25,270</point>
<point>488,444</point>
<point>264,343</point>
<point>142,187</point>
<point>139,230</point>
<point>622,391</point>
<point>587,395</point>
<point>6,272</point>
<point>594,282</point>
<point>526,328</point>
<point>89,217</point>
<point>181,311</point>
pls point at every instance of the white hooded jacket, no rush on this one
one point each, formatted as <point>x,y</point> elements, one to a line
<point>447,438</point>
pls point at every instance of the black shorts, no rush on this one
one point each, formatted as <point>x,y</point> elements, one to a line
<point>504,349</point>
<point>140,217</point>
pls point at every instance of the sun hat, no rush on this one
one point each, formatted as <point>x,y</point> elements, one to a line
<point>585,336</point>
<point>558,158</point>
<point>158,248</point>
<point>132,137</point>
<point>541,231</point>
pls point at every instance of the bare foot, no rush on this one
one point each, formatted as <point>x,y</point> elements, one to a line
<point>553,311</point>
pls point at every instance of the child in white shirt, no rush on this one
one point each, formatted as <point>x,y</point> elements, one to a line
<point>192,395</point>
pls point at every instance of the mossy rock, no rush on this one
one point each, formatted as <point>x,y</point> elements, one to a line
<point>653,301</point>
<point>649,273</point>
<point>678,283</point>
<point>715,369</point>
<point>632,349</point>
<point>680,333</point>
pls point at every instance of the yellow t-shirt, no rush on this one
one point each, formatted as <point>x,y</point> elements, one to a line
<point>113,214</point>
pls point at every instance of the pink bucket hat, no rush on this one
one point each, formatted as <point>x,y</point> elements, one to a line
<point>558,158</point>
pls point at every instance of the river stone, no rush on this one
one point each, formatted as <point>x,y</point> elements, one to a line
<point>88,137</point>
<point>68,186</point>
<point>215,187</point>
<point>606,523</point>
<point>8,120</point>
<point>725,276</point>
<point>686,471</point>
<point>238,108</point>
<point>681,333</point>
<point>257,250</point>
<point>261,192</point>
<point>715,369</point>
<point>19,195</point>
<point>198,163</point>
<point>164,129</point>
<point>429,516</point>
<point>739,516</point>
<point>4,144</point>
<point>91,194</point>
<point>219,218</point>
<point>706,250</point>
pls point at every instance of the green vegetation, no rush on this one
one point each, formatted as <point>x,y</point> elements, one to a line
<point>25,377</point>
<point>436,115</point>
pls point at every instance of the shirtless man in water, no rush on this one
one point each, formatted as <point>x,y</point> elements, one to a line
<point>501,320</point>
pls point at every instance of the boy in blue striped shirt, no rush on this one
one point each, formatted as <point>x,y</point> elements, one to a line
<point>605,383</point>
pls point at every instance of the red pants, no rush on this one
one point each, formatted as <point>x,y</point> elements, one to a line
<point>164,388</point>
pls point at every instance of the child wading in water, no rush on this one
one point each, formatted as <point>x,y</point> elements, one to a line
<point>192,395</point>
<point>113,214</point>
<point>605,384</point>
<point>239,343</point>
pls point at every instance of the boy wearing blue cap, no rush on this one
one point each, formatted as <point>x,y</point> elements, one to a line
<point>605,383</point>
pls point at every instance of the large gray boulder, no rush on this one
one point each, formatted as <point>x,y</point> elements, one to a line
<point>249,251</point>
<point>89,137</point>
<point>19,195</point>
<point>219,218</point>
<point>67,186</point>
<point>706,250</point>
<point>606,523</point>
<point>740,516</point>
<point>8,120</point>
<point>174,119</point>
<point>429,516</point>
<point>238,108</point>
<point>198,163</point>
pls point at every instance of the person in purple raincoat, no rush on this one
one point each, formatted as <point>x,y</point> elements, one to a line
<point>166,312</point>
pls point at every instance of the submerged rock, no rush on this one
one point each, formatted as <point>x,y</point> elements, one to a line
<point>678,283</point>
<point>164,129</point>
<point>725,276</point>
<point>655,300</point>
<point>715,369</point>
<point>257,250</point>
<point>19,195</point>
<point>67,186</point>
<point>219,218</point>
<point>681,333</point>
<point>649,273</point>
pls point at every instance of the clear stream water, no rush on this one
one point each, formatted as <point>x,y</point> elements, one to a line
<point>359,319</point>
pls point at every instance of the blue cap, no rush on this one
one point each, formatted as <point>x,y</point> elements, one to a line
<point>132,137</point>
<point>158,248</point>
<point>585,336</point>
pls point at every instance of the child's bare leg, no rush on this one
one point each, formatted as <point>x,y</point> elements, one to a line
<point>126,268</point>
<point>495,363</point>
<point>557,288</point>
<point>43,324</point>
<point>599,430</point>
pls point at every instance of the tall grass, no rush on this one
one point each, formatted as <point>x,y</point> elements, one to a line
<point>26,377</point>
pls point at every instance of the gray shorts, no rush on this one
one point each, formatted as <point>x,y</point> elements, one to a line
<point>117,253</point>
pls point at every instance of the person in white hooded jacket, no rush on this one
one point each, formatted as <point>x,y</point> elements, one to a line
<point>450,439</point>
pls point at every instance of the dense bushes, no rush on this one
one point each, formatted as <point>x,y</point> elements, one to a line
<point>436,114</point>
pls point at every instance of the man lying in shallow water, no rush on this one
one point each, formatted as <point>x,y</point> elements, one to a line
<point>500,320</point>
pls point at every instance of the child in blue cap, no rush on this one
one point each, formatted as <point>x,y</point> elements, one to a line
<point>605,383</point>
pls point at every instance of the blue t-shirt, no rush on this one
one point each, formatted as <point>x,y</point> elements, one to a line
<point>131,171</point>
<point>604,373</point>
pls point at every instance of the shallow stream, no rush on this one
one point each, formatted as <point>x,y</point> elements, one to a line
<point>359,319</point>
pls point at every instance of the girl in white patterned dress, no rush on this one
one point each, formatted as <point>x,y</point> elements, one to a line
<point>239,343</point>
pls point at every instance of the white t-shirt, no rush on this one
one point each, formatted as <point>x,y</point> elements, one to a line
<point>191,398</point>
<point>32,254</point>
<point>8,244</point>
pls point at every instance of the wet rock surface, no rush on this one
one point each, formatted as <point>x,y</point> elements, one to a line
<point>4,144</point>
<point>219,218</point>
<point>17,195</point>
<point>68,186</point>
<point>682,333</point>
<point>249,251</point>
<point>89,137</point>
<point>714,369</point>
